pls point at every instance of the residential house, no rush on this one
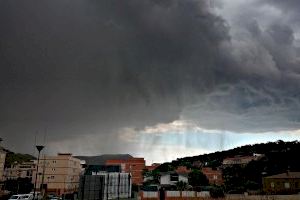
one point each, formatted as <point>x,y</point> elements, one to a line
<point>134,166</point>
<point>172,178</point>
<point>241,160</point>
<point>214,176</point>
<point>58,174</point>
<point>285,183</point>
<point>182,170</point>
<point>20,170</point>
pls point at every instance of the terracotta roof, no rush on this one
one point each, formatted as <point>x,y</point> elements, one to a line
<point>286,175</point>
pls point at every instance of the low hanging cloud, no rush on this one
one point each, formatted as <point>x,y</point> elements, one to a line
<point>90,69</point>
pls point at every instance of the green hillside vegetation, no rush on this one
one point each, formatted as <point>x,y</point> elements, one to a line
<point>12,158</point>
<point>279,157</point>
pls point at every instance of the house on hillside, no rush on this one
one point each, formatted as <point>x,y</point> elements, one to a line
<point>214,176</point>
<point>285,183</point>
<point>172,178</point>
<point>241,160</point>
<point>182,170</point>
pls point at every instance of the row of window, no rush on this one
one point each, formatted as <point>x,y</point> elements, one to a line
<point>286,184</point>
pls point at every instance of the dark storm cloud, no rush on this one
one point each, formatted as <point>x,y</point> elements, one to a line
<point>93,67</point>
<point>79,67</point>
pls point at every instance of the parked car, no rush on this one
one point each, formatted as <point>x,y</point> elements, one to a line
<point>55,198</point>
<point>38,195</point>
<point>28,196</point>
<point>17,197</point>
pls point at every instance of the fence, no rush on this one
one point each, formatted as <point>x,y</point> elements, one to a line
<point>174,195</point>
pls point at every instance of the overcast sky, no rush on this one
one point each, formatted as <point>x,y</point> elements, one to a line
<point>159,79</point>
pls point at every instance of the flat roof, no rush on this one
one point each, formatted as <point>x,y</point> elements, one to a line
<point>286,175</point>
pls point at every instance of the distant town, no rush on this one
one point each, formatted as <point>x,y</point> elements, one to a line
<point>261,169</point>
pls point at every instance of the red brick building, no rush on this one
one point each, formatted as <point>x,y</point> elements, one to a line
<point>134,166</point>
<point>213,176</point>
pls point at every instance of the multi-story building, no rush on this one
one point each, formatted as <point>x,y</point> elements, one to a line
<point>134,166</point>
<point>285,183</point>
<point>58,174</point>
<point>214,176</point>
<point>2,162</point>
<point>20,170</point>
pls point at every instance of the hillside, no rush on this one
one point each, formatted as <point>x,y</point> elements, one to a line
<point>12,158</point>
<point>279,157</point>
<point>279,149</point>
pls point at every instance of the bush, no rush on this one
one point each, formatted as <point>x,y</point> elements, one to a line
<point>216,192</point>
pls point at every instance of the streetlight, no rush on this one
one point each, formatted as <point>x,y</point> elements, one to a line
<point>39,148</point>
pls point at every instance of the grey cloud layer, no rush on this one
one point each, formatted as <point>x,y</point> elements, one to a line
<point>90,67</point>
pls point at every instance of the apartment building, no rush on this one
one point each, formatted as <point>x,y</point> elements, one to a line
<point>20,170</point>
<point>134,166</point>
<point>58,174</point>
<point>2,162</point>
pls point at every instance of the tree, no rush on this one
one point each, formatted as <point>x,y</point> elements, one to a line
<point>197,178</point>
<point>180,185</point>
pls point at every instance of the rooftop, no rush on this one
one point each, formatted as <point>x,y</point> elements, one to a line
<point>286,175</point>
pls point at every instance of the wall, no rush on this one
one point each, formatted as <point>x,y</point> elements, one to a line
<point>279,185</point>
<point>135,166</point>
<point>174,195</point>
<point>2,162</point>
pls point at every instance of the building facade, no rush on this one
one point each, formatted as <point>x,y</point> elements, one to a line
<point>214,176</point>
<point>285,183</point>
<point>104,185</point>
<point>134,166</point>
<point>172,178</point>
<point>58,174</point>
<point>20,170</point>
<point>2,163</point>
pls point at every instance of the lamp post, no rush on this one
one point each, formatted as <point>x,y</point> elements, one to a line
<point>39,148</point>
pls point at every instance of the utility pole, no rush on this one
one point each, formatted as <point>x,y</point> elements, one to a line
<point>39,148</point>
<point>43,178</point>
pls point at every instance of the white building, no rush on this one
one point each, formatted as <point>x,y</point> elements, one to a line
<point>171,178</point>
<point>20,170</point>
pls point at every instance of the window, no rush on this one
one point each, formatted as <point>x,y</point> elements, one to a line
<point>272,185</point>
<point>174,177</point>
<point>215,177</point>
<point>297,185</point>
<point>286,185</point>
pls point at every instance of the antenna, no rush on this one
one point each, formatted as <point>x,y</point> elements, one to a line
<point>45,136</point>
